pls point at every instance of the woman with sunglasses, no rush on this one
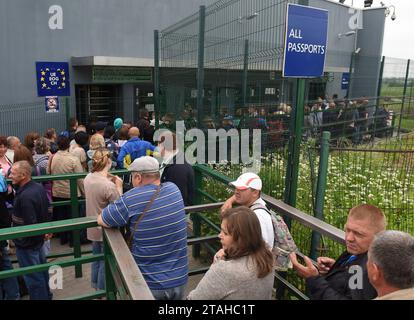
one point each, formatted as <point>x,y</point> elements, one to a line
<point>101,188</point>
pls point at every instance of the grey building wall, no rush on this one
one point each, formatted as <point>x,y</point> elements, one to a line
<point>369,39</point>
<point>122,28</point>
<point>364,81</point>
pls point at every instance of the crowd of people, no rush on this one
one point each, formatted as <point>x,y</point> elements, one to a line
<point>149,202</point>
<point>354,119</point>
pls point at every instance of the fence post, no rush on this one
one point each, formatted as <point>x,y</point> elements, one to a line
<point>67,112</point>
<point>74,204</point>
<point>351,66</point>
<point>200,70</point>
<point>378,94</point>
<point>157,79</point>
<point>320,191</point>
<point>245,70</point>
<point>403,98</point>
<point>195,216</point>
<point>110,287</point>
<point>296,124</point>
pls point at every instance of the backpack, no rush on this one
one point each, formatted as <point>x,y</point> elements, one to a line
<point>283,241</point>
<point>3,183</point>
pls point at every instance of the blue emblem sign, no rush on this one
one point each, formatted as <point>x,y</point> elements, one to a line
<point>305,41</point>
<point>345,81</point>
<point>52,79</point>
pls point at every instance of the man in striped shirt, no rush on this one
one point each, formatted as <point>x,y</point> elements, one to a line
<point>159,240</point>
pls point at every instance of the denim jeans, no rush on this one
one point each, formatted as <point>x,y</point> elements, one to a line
<point>176,293</point>
<point>98,267</point>
<point>37,283</point>
<point>9,288</point>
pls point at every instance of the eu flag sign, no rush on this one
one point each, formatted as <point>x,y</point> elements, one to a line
<point>52,79</point>
<point>305,41</point>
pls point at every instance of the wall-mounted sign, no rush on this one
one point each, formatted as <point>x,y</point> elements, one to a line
<point>104,74</point>
<point>52,79</point>
<point>52,104</point>
<point>305,41</point>
<point>345,81</point>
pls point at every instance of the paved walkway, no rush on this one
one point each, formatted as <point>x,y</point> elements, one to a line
<point>73,286</point>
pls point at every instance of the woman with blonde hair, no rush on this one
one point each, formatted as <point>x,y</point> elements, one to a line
<point>101,189</point>
<point>243,268</point>
<point>96,141</point>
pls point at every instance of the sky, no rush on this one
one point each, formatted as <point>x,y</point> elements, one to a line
<point>399,34</point>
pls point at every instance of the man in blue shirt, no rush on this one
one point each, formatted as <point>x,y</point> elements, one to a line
<point>154,212</point>
<point>133,149</point>
<point>30,207</point>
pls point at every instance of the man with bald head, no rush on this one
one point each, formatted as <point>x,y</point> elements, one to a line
<point>335,280</point>
<point>133,149</point>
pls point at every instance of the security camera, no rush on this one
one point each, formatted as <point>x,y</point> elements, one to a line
<point>357,50</point>
<point>393,17</point>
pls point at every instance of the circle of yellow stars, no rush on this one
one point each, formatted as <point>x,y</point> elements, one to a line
<point>46,72</point>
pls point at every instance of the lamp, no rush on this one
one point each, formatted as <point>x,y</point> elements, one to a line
<point>346,34</point>
<point>248,17</point>
<point>388,11</point>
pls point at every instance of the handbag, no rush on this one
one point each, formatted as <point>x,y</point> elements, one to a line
<point>147,207</point>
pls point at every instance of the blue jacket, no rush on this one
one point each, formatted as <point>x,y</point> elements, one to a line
<point>133,149</point>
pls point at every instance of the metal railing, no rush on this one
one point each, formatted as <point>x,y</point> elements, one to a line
<point>285,210</point>
<point>123,278</point>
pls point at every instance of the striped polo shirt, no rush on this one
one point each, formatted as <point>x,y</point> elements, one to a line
<point>160,242</point>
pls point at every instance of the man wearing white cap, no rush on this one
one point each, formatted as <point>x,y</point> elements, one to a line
<point>154,212</point>
<point>247,193</point>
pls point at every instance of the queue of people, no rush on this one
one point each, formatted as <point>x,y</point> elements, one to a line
<point>255,241</point>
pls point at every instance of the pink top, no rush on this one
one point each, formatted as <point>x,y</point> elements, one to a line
<point>5,165</point>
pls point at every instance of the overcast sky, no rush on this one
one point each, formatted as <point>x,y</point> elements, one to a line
<point>399,34</point>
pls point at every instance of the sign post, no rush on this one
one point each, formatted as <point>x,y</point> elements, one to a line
<point>304,57</point>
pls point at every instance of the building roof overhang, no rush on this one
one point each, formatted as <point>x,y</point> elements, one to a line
<point>111,61</point>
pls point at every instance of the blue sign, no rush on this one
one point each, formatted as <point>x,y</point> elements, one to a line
<point>52,79</point>
<point>305,41</point>
<point>52,104</point>
<point>345,81</point>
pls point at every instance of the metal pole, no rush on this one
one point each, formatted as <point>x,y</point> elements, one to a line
<point>200,70</point>
<point>296,124</point>
<point>157,108</point>
<point>194,216</point>
<point>404,93</point>
<point>378,95</point>
<point>74,203</point>
<point>320,191</point>
<point>245,70</point>
<point>351,65</point>
<point>67,112</point>
<point>109,280</point>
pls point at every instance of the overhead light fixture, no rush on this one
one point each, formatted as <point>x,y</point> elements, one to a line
<point>341,1</point>
<point>248,17</point>
<point>388,11</point>
<point>347,34</point>
<point>252,16</point>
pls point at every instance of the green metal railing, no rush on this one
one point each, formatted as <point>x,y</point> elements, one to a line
<point>123,278</point>
<point>317,226</point>
<point>74,204</point>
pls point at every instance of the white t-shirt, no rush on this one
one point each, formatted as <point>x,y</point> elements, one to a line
<point>265,223</point>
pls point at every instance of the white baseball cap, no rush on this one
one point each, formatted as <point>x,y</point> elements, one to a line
<point>248,180</point>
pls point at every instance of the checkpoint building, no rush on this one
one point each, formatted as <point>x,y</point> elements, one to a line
<point>108,47</point>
